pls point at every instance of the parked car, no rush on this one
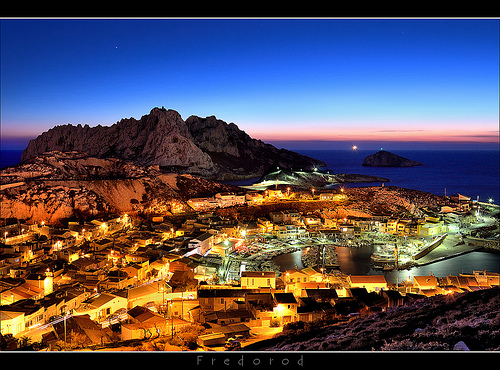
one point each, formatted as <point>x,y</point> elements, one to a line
<point>233,345</point>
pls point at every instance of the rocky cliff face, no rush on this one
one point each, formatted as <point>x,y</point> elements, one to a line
<point>387,159</point>
<point>57,186</point>
<point>205,147</point>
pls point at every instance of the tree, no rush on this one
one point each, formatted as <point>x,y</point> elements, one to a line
<point>24,341</point>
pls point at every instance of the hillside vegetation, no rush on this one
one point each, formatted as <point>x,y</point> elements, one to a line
<point>439,323</point>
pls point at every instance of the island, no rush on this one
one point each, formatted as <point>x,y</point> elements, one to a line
<point>384,158</point>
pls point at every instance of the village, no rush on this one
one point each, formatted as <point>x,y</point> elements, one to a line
<point>105,282</point>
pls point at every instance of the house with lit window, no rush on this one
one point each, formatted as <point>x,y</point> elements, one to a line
<point>253,198</point>
<point>391,225</point>
<point>293,276</point>
<point>431,226</point>
<point>265,226</point>
<point>285,309</point>
<point>21,315</point>
<point>11,322</point>
<point>201,204</point>
<point>258,279</point>
<point>226,199</point>
<point>424,283</point>
<point>101,305</point>
<point>327,196</point>
<point>216,299</point>
<point>289,231</point>
<point>372,283</point>
<point>261,305</point>
<point>203,243</point>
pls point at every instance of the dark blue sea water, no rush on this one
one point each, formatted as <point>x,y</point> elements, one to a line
<point>10,157</point>
<point>471,173</point>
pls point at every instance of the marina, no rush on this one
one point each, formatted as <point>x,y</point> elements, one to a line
<point>373,254</point>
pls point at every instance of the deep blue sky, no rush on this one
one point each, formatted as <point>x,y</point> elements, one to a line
<point>348,80</point>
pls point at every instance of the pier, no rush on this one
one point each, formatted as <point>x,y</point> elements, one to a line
<point>436,243</point>
<point>451,246</point>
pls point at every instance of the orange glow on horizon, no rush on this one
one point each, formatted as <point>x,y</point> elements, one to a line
<point>365,134</point>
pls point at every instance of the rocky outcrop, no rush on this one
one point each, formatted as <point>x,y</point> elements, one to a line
<point>306,179</point>
<point>58,186</point>
<point>387,159</point>
<point>205,147</point>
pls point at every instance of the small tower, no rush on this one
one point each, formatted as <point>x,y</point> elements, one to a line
<point>48,282</point>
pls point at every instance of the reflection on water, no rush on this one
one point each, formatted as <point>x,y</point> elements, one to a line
<point>289,261</point>
<point>356,261</point>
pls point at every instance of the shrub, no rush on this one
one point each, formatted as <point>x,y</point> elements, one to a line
<point>275,323</point>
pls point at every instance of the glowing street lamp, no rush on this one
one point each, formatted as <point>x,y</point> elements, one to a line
<point>172,317</point>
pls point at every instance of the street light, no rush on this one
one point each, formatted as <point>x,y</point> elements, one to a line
<point>172,317</point>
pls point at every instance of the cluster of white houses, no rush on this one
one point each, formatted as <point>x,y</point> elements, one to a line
<point>292,224</point>
<point>156,306</point>
<point>99,273</point>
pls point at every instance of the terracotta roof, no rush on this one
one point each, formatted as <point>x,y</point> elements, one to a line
<point>368,279</point>
<point>268,274</point>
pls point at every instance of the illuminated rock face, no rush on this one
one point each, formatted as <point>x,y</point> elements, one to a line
<point>387,159</point>
<point>205,147</point>
<point>56,186</point>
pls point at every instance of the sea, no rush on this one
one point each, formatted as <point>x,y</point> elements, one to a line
<point>473,173</point>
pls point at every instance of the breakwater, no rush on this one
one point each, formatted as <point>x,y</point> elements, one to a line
<point>436,243</point>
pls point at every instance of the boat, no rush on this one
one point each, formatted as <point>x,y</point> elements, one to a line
<point>383,259</point>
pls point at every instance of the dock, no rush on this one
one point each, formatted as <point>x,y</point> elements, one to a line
<point>448,248</point>
<point>436,243</point>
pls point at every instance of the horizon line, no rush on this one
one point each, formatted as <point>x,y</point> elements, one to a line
<point>21,143</point>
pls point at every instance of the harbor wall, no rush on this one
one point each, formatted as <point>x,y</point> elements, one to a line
<point>430,248</point>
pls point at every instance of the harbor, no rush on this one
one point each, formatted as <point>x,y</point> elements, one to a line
<point>361,258</point>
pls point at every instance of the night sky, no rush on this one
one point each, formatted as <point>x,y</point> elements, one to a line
<point>342,80</point>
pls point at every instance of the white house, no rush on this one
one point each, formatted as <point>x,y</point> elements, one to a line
<point>258,279</point>
<point>203,243</point>
<point>100,306</point>
<point>372,283</point>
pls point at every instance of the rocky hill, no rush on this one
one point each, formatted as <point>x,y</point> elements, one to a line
<point>460,321</point>
<point>387,159</point>
<point>205,147</point>
<point>58,186</point>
